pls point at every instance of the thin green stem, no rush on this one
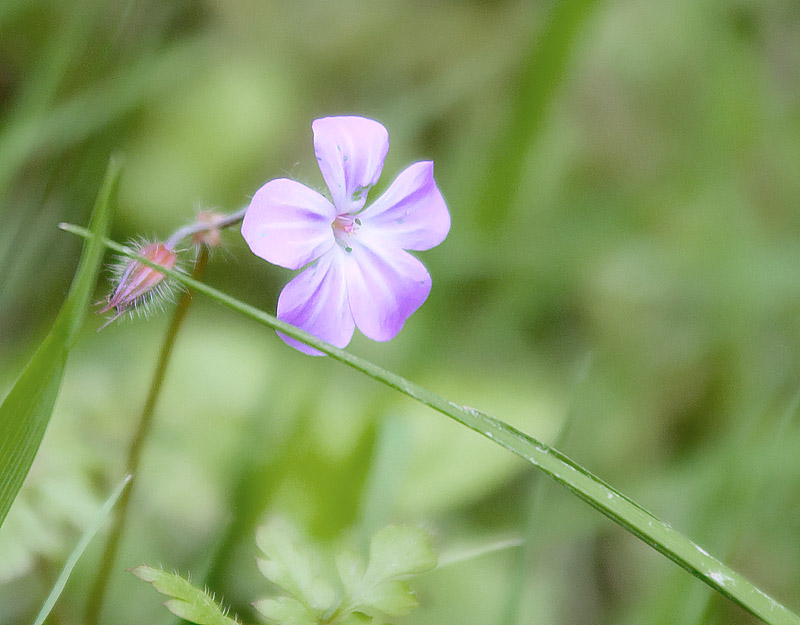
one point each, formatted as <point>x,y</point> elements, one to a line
<point>619,508</point>
<point>97,593</point>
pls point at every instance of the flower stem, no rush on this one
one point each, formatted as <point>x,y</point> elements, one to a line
<point>225,221</point>
<point>97,592</point>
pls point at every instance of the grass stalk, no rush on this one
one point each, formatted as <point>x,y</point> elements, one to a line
<point>628,514</point>
<point>98,590</point>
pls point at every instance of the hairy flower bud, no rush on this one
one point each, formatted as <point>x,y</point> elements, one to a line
<point>140,287</point>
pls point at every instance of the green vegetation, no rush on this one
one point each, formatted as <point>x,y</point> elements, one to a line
<point>623,183</point>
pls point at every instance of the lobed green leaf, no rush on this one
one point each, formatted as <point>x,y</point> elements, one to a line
<point>396,551</point>
<point>351,567</point>
<point>294,565</point>
<point>286,611</point>
<point>393,598</point>
<point>357,618</point>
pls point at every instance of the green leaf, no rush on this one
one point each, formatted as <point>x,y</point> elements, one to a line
<point>187,602</point>
<point>622,510</point>
<point>357,618</point>
<point>548,64</point>
<point>294,565</point>
<point>375,589</point>
<point>351,571</point>
<point>286,611</point>
<point>73,558</point>
<point>26,410</point>
<point>396,551</point>
<point>393,598</point>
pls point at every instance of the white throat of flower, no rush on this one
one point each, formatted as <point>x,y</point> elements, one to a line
<point>344,227</point>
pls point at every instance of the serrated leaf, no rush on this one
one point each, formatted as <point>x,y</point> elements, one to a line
<point>188,611</point>
<point>393,598</point>
<point>357,618</point>
<point>286,611</point>
<point>396,551</point>
<point>294,565</point>
<point>351,571</point>
<point>187,602</point>
<point>26,410</point>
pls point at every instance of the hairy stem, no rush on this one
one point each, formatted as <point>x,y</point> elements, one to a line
<point>222,222</point>
<point>98,590</point>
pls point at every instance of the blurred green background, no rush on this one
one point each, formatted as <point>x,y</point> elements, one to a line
<point>623,180</point>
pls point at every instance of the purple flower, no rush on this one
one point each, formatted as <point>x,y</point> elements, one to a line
<point>357,272</point>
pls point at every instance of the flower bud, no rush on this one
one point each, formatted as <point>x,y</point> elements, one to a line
<point>140,287</point>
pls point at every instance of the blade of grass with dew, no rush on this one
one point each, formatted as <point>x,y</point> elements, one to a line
<point>523,559</point>
<point>73,558</point>
<point>724,508</point>
<point>26,410</point>
<point>752,482</point>
<point>624,511</point>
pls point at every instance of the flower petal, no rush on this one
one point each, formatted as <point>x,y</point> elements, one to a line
<point>316,301</point>
<point>288,224</point>
<point>385,285</point>
<point>350,152</point>
<point>411,212</point>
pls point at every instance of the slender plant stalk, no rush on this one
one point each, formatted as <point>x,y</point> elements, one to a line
<point>97,593</point>
<point>602,497</point>
<point>223,221</point>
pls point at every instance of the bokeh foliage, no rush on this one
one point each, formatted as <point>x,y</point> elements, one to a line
<point>622,178</point>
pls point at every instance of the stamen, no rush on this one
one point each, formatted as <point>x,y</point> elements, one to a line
<point>345,225</point>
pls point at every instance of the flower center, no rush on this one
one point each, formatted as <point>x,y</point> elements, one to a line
<point>344,226</point>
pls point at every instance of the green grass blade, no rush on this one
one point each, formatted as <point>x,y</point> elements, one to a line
<point>546,68</point>
<point>25,412</point>
<point>752,485</point>
<point>73,558</point>
<point>89,111</point>
<point>523,558</point>
<point>610,502</point>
